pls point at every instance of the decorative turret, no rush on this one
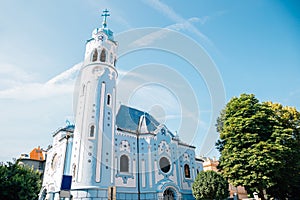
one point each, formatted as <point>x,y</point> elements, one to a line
<point>102,37</point>
<point>95,113</point>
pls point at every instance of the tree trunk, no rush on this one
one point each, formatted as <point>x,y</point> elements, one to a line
<point>261,194</point>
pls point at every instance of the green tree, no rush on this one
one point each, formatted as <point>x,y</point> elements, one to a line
<point>287,182</point>
<point>210,185</point>
<point>19,182</point>
<point>256,144</point>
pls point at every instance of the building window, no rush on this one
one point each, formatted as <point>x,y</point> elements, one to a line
<point>187,171</point>
<point>124,163</point>
<point>103,55</point>
<point>115,62</point>
<point>40,166</point>
<point>74,171</point>
<point>95,55</point>
<point>169,194</point>
<point>83,90</point>
<point>92,131</point>
<point>54,161</point>
<point>108,100</point>
<point>164,164</point>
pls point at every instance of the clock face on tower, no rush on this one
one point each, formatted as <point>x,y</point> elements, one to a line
<point>101,37</point>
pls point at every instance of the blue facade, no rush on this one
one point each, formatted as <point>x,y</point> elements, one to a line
<point>115,155</point>
<point>161,159</point>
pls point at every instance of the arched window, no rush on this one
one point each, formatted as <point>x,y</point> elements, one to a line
<point>124,163</point>
<point>44,194</point>
<point>95,55</point>
<point>108,100</point>
<point>115,62</point>
<point>92,131</point>
<point>74,171</point>
<point>169,194</point>
<point>54,161</point>
<point>103,55</point>
<point>187,171</point>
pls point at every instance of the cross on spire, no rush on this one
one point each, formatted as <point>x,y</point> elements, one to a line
<point>105,15</point>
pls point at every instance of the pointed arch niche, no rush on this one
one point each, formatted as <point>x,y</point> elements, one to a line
<point>103,55</point>
<point>108,99</point>
<point>187,173</point>
<point>95,55</point>
<point>124,163</point>
<point>92,131</point>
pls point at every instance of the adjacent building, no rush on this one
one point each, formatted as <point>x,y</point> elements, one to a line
<point>210,164</point>
<point>35,159</point>
<point>238,192</point>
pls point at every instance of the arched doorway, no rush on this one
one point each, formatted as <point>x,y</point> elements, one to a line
<point>169,194</point>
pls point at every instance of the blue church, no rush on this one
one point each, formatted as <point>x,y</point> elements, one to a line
<point>114,152</point>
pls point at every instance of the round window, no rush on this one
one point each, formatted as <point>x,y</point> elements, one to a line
<point>164,164</point>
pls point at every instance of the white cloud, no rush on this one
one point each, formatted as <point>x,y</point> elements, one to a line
<point>181,23</point>
<point>13,76</point>
<point>122,73</point>
<point>168,11</point>
<point>31,110</point>
<point>59,85</point>
<point>33,91</point>
<point>186,24</point>
<point>68,75</point>
<point>149,38</point>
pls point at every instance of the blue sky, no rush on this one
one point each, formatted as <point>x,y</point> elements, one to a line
<point>254,45</point>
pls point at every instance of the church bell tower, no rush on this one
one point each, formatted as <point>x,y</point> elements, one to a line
<point>91,163</point>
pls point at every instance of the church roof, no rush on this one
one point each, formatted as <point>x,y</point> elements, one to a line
<point>68,128</point>
<point>134,120</point>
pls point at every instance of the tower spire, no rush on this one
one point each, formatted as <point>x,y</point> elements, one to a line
<point>105,14</point>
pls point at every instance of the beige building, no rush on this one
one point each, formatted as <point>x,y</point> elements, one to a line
<point>211,164</point>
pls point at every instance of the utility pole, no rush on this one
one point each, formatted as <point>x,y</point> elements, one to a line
<point>138,163</point>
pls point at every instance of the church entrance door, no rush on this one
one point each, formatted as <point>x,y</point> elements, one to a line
<point>169,194</point>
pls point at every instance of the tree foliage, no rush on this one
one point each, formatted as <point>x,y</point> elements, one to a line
<point>287,183</point>
<point>259,146</point>
<point>210,185</point>
<point>18,182</point>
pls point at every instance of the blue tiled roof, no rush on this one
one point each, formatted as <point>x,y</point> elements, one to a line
<point>109,33</point>
<point>129,118</point>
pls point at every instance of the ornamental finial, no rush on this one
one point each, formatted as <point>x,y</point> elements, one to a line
<point>105,15</point>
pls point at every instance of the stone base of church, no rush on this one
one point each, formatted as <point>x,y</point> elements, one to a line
<point>98,194</point>
<point>146,196</point>
<point>106,194</point>
<point>150,196</point>
<point>90,194</point>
